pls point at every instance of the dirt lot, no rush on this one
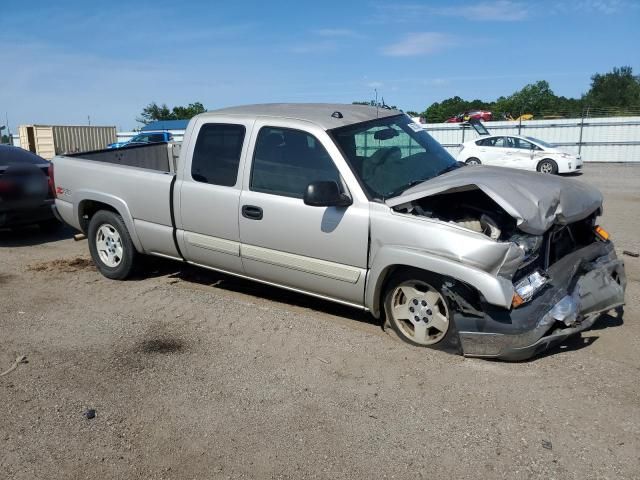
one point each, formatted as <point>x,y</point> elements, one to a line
<point>197,375</point>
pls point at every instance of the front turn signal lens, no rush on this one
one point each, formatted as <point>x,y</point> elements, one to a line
<point>602,233</point>
<point>517,300</point>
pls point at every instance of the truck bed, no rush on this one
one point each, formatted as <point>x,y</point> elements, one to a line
<point>156,156</point>
<point>126,180</point>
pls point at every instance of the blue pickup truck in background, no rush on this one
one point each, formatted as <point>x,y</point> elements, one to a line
<point>144,139</point>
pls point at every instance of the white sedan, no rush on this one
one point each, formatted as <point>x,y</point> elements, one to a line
<point>515,151</point>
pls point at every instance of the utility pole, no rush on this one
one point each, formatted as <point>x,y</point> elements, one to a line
<point>6,117</point>
<point>89,119</point>
<point>376,90</point>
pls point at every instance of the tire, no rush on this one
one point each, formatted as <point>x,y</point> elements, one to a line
<point>473,161</point>
<point>547,166</point>
<point>50,226</point>
<point>110,245</point>
<point>422,292</point>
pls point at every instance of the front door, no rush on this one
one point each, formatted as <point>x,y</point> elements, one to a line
<point>520,154</point>
<point>321,250</point>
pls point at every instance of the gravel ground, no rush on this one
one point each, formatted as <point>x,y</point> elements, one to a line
<point>197,375</point>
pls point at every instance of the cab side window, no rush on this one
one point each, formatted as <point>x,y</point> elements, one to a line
<point>499,142</point>
<point>286,161</point>
<point>216,156</point>
<point>523,144</point>
<point>491,142</point>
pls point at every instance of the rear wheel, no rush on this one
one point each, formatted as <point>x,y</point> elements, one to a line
<point>548,166</point>
<point>473,161</point>
<point>417,310</point>
<point>110,245</point>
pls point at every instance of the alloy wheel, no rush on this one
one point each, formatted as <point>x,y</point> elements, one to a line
<point>420,311</point>
<point>109,245</point>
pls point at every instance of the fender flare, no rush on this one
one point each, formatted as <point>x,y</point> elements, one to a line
<point>116,203</point>
<point>495,290</point>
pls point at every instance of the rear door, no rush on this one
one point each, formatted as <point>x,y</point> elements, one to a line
<point>492,151</point>
<point>209,193</point>
<point>321,250</point>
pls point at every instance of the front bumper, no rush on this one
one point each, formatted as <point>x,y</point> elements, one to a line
<point>593,277</point>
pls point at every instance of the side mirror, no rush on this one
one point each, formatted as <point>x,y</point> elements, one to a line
<point>326,194</point>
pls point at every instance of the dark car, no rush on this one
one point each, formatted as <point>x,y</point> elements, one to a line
<point>144,139</point>
<point>26,189</point>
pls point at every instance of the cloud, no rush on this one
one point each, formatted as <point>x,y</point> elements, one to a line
<point>493,10</point>
<point>499,10</point>
<point>605,7</point>
<point>337,32</point>
<point>374,84</point>
<point>414,44</point>
<point>439,82</point>
<point>314,47</point>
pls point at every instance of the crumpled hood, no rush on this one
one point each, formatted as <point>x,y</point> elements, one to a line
<point>535,200</point>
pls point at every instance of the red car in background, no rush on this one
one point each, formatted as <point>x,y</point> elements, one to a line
<point>483,115</point>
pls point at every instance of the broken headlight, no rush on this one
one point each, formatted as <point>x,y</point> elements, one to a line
<point>526,288</point>
<point>529,244</point>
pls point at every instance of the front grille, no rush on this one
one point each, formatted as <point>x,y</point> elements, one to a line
<point>562,240</point>
<point>559,241</point>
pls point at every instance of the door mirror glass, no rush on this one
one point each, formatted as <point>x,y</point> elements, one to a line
<point>326,194</point>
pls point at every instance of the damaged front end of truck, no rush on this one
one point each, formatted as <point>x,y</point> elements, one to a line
<point>562,266</point>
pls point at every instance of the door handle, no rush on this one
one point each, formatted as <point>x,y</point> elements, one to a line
<point>252,212</point>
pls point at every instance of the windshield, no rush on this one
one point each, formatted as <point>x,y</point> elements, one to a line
<point>540,142</point>
<point>391,154</point>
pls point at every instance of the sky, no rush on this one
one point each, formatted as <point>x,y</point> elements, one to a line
<point>65,61</point>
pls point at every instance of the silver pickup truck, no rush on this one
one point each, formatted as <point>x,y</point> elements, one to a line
<point>357,205</point>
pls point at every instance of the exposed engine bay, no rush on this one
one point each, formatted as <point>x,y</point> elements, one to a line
<point>473,209</point>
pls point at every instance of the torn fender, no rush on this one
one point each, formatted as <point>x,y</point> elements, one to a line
<point>534,200</point>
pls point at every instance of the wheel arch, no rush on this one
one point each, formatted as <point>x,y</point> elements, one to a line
<point>548,159</point>
<point>390,260</point>
<point>91,202</point>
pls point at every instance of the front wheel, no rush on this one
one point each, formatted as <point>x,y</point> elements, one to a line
<point>548,166</point>
<point>473,161</point>
<point>417,310</point>
<point>110,245</point>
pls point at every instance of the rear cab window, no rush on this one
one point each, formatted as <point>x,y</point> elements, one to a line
<point>216,156</point>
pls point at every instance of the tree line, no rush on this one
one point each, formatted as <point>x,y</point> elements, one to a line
<point>614,93</point>
<point>154,112</point>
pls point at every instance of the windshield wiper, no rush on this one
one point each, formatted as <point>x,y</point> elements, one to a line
<point>406,187</point>
<point>413,183</point>
<point>453,166</point>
